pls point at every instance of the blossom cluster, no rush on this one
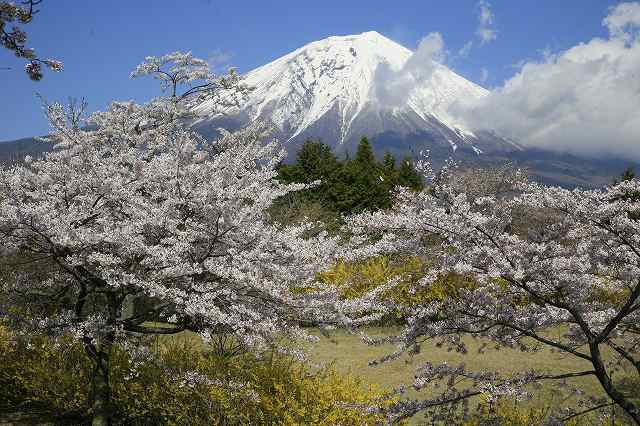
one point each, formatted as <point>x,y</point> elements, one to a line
<point>134,220</point>
<point>544,259</point>
<point>15,39</point>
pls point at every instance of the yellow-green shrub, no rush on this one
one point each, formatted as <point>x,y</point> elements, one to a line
<point>356,279</point>
<point>508,413</point>
<point>512,413</point>
<point>531,413</point>
<point>42,372</point>
<point>54,374</point>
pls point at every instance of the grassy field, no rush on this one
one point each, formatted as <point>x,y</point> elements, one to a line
<point>348,353</point>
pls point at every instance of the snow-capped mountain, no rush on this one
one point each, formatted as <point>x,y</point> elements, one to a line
<point>328,89</point>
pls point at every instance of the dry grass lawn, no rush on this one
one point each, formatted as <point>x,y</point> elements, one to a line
<point>348,353</point>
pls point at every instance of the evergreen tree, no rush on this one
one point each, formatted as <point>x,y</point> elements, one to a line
<point>388,162</point>
<point>389,172</point>
<point>316,160</point>
<point>352,185</point>
<point>341,191</point>
<point>627,175</point>
<point>368,190</point>
<point>365,158</point>
<point>408,176</point>
<point>288,173</point>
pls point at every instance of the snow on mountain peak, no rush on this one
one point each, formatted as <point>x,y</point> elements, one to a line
<point>337,77</point>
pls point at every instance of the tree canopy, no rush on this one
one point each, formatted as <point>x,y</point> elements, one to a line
<point>15,38</point>
<point>546,268</point>
<point>357,184</point>
<point>136,225</point>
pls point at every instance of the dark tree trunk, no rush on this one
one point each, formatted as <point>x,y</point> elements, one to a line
<point>100,386</point>
<point>100,354</point>
<point>603,377</point>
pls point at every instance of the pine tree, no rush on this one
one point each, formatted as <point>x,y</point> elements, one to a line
<point>368,190</point>
<point>628,174</point>
<point>316,160</point>
<point>352,185</point>
<point>364,155</point>
<point>389,172</point>
<point>408,176</point>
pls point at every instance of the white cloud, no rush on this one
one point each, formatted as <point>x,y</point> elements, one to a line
<point>584,100</point>
<point>484,75</point>
<point>219,61</point>
<point>623,19</point>
<point>464,50</point>
<point>485,30</point>
<point>518,65</point>
<point>393,86</point>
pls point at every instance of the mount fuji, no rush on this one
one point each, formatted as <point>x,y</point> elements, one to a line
<point>331,90</point>
<point>342,88</point>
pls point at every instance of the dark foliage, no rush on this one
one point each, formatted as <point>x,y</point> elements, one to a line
<point>352,185</point>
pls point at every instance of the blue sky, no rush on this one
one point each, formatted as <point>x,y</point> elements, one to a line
<point>100,42</point>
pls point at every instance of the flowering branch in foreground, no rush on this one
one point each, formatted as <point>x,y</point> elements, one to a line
<point>544,259</point>
<point>15,39</point>
<point>136,225</point>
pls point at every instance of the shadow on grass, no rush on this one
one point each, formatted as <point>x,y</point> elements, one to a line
<point>25,413</point>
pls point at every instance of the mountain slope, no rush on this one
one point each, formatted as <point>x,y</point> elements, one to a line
<point>328,89</point>
<point>16,150</point>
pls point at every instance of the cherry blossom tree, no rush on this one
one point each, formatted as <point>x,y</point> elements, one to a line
<point>554,269</point>
<point>135,225</point>
<point>15,39</point>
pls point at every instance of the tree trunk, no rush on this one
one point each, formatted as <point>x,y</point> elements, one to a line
<point>629,407</point>
<point>101,388</point>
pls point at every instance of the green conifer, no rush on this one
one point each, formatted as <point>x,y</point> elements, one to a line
<point>389,172</point>
<point>408,175</point>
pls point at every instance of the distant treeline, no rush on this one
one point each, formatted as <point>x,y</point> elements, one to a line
<point>349,185</point>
